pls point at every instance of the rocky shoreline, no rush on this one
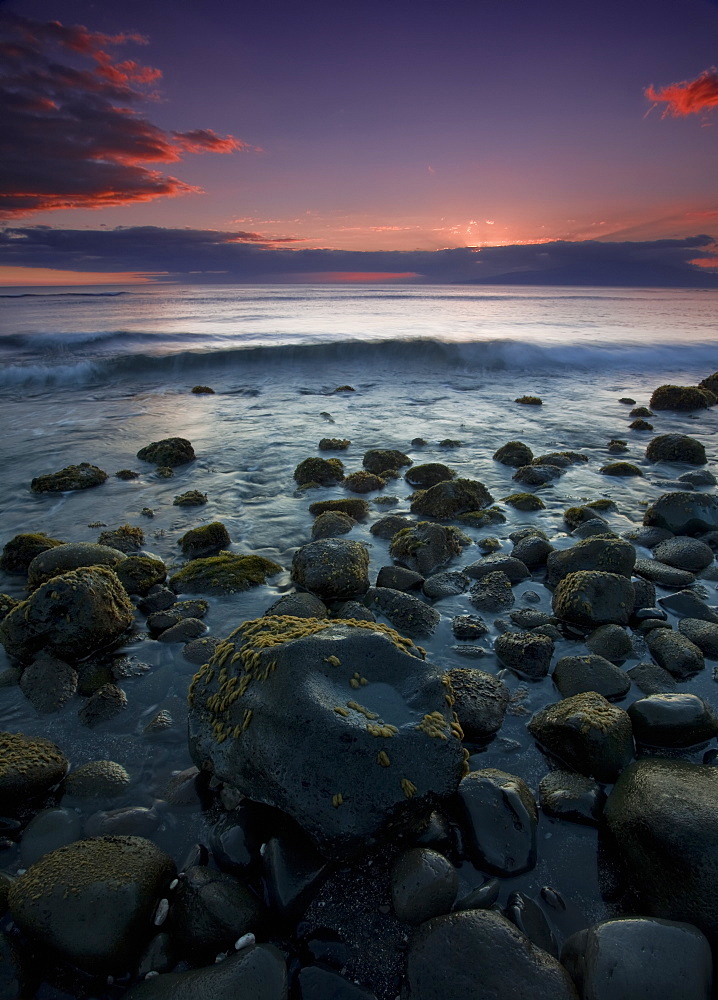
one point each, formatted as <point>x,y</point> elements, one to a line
<point>353,834</point>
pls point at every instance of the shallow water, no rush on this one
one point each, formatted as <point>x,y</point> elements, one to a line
<point>431,362</point>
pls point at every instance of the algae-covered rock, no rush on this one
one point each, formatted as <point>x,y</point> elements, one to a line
<point>30,766</point>
<point>480,703</point>
<point>168,453</point>
<point>72,477</point>
<point>202,390</point>
<point>332,523</point>
<point>71,555</point>
<point>447,499</point>
<point>48,683</point>
<point>574,516</point>
<point>323,471</point>
<point>529,400</point>
<point>127,474</point>
<point>537,475</point>
<point>528,653</point>
<point>623,469</point>
<point>682,397</point>
<point>426,547</point>
<point>592,598</point>
<point>609,555</point>
<point>7,603</point>
<point>683,513</point>
<point>334,444</point>
<point>429,474</point>
<point>138,574</point>
<point>205,540</point>
<point>72,615</point>
<point>226,573</point>
<point>98,779</point>
<point>20,551</point>
<point>675,653</point>
<point>126,538</point>
<point>387,527</point>
<point>340,724</point>
<point>514,453</point>
<point>92,901</point>
<point>408,614</point>
<point>377,460</point>
<point>639,424</point>
<point>524,501</point>
<point>358,509</point>
<point>332,568</point>
<point>363,482</point>
<point>676,448</point>
<point>192,498</point>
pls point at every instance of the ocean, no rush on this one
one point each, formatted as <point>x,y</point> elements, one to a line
<point>93,375</point>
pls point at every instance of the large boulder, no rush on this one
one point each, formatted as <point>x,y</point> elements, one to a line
<point>447,499</point>
<point>72,616</point>
<point>682,397</point>
<point>71,555</point>
<point>607,555</point>
<point>683,513</point>
<point>332,568</point>
<point>426,547</point>
<point>340,724</point>
<point>676,448</point>
<point>592,598</point>
<point>93,900</point>
<point>662,818</point>
<point>168,452</point>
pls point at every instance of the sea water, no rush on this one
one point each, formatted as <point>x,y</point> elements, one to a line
<point>94,375</point>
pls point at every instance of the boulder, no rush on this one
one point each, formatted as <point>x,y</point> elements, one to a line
<point>408,614</point>
<point>378,460</point>
<point>532,551</point>
<point>675,653</point>
<point>127,538</point>
<point>610,641</point>
<point>573,797</point>
<point>682,397</point>
<point>424,476</point>
<point>677,719</point>
<point>500,821</point>
<point>447,499</point>
<point>48,683</point>
<point>71,555</point>
<point>423,885</point>
<point>605,555</point>
<point>676,448</point>
<point>29,768</point>
<point>353,506</point>
<point>662,574</point>
<point>492,593</point>
<point>527,653</point>
<point>210,911</point>
<point>426,547</point>
<point>399,578</point>
<point>205,540</point>
<point>514,453</point>
<point>259,972</point>
<point>447,584</point>
<point>480,702</point>
<point>576,674</point>
<point>169,452</point>
<point>363,482</point>
<point>332,568</point>
<point>702,634</point>
<point>591,598</point>
<point>332,524</point>
<point>73,477</point>
<point>301,605</point>
<point>342,725</point>
<point>689,554</point>
<point>514,569</point>
<point>651,678</point>
<point>71,616</point>
<point>226,573</point>
<point>537,475</point>
<point>20,551</point>
<point>139,574</point>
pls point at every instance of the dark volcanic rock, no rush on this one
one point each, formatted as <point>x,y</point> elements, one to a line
<point>683,513</point>
<point>468,627</point>
<point>480,702</point>
<point>587,733</point>
<point>73,477</point>
<point>687,604</point>
<point>526,652</point>
<point>592,598</point>
<point>331,524</point>
<point>455,957</point>
<point>536,475</point>
<point>675,653</point>
<point>424,476</point>
<point>210,910</point>
<point>682,397</point>
<point>321,471</point>
<point>48,683</point>
<point>514,453</point>
<point>663,574</point>
<point>20,551</point>
<point>72,555</point>
<point>446,584</point>
<point>378,460</point>
<point>611,641</point>
<point>258,972</point>
<point>168,452</point>
<point>399,578</point>
<point>532,551</point>
<point>205,540</point>
<point>344,727</point>
<point>226,573</point>
<point>500,818</point>
<point>702,634</point>
<point>332,568</point>
<point>408,614</point>
<point>570,796</point>
<point>387,527</point>
<point>301,605</point>
<point>676,448</point>
<point>514,569</point>
<point>426,547</point>
<point>423,885</point>
<point>29,767</point>
<point>606,555</point>
<point>576,674</point>
<point>446,500</point>
<point>685,553</point>
<point>651,678</point>
<point>492,593</point>
<point>679,719</point>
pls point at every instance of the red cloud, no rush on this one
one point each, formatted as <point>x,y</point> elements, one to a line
<point>689,97</point>
<point>71,137</point>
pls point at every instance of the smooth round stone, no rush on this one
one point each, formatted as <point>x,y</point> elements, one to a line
<point>530,918</point>
<point>675,719</point>
<point>685,553</point>
<point>687,604</point>
<point>399,578</point>
<point>210,911</point>
<point>492,593</point>
<point>675,653</point>
<point>292,870</point>
<point>639,958</point>
<point>577,674</point>
<point>651,678</point>
<point>500,818</point>
<point>611,642</point>
<point>423,885</point>
<point>532,551</point>
<point>48,830</point>
<point>184,631</point>
<point>69,556</point>
<point>702,634</point>
<point>446,584</point>
<point>570,796</point>
<point>514,569</point>
<point>662,574</point>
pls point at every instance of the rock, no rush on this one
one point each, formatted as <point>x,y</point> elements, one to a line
<point>640,425</point>
<point>576,674</point>
<point>662,817</point>
<point>331,524</point>
<point>651,678</point>
<point>675,653</point>
<point>593,598</point>
<point>675,960</point>
<point>532,551</point>
<point>468,627</point>
<point>226,573</point>
<point>573,797</point>
<point>599,554</point>
<point>698,477</point>
<point>455,957</point>
<point>102,924</point>
<point>611,642</point>
<point>71,616</point>
<point>200,390</point>
<point>301,605</point>
<point>353,506</point>
<point>514,569</point>
<point>524,501</point>
<point>128,821</point>
<point>319,472</point>
<point>623,469</point>
<point>676,448</point>
<point>139,574</point>
<point>447,499</point>
<point>681,397</point>
<point>317,983</point>
<point>644,592</point>
<point>363,482</point>
<point>98,779</point>
<point>30,767</point>
<point>72,555</point>
<point>72,477</point>
<point>424,476</point>
<point>617,446</point>
<point>332,569</point>
<point>586,732</point>
<point>673,720</point>
<point>648,537</point>
<point>399,578</point>
<point>334,444</point>
<point>525,652</point>
<point>492,593</point>
<point>423,885</point>
<point>536,475</point>
<point>689,554</point>
<point>595,526</point>
<point>48,683</point>
<point>210,911</point>
<point>480,702</point>
<point>293,871</point>
<point>103,705</point>
<point>530,618</point>
<point>529,400</point>
<point>446,584</point>
<point>258,972</point>
<point>408,614</point>
<point>168,452</point>
<point>514,453</point>
<point>662,574</point>
<point>500,819</point>
<point>573,516</point>
<point>48,830</point>
<point>688,604</point>
<point>351,734</point>
<point>178,612</point>
<point>387,527</point>
<point>198,651</point>
<point>192,498</point>
<point>702,634</point>
<point>207,539</point>
<point>20,551</point>
<point>126,538</point>
<point>378,460</point>
<point>184,631</point>
<point>426,547</point>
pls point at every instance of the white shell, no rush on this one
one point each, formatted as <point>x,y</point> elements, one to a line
<point>163,908</point>
<point>245,941</point>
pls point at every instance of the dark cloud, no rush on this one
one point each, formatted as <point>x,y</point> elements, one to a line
<point>689,97</point>
<point>208,255</point>
<point>71,135</point>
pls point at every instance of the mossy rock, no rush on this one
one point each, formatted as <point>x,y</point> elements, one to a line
<point>126,538</point>
<point>138,574</point>
<point>514,453</point>
<point>640,411</point>
<point>226,573</point>
<point>332,523</point>
<point>363,482</point>
<point>164,472</point>
<point>682,397</point>
<point>98,779</point>
<point>192,498</point>
<point>202,390</point>
<point>640,425</point>
<point>524,501</point>
<point>358,509</point>
<point>205,540</point>
<point>334,444</point>
<point>573,516</point>
<point>428,475</point>
<point>676,448</point>
<point>20,551</point>
<point>126,474</point>
<point>72,477</point>
<point>710,383</point>
<point>322,471</point>
<point>30,766</point>
<point>450,443</point>
<point>332,568</point>
<point>168,452</point>
<point>529,400</point>
<point>377,460</point>
<point>71,555</point>
<point>620,469</point>
<point>7,603</point>
<point>448,499</point>
<point>482,518</point>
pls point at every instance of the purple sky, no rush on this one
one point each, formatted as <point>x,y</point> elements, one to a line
<point>402,125</point>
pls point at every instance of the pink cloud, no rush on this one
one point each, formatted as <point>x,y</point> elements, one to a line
<point>689,97</point>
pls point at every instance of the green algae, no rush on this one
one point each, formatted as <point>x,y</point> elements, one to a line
<point>72,477</point>
<point>320,471</point>
<point>192,498</point>
<point>126,538</point>
<point>363,482</point>
<point>20,551</point>
<point>138,574</point>
<point>168,452</point>
<point>358,509</point>
<point>334,444</point>
<point>524,501</point>
<point>226,573</point>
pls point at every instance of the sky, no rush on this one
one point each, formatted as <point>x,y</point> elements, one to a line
<point>401,139</point>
